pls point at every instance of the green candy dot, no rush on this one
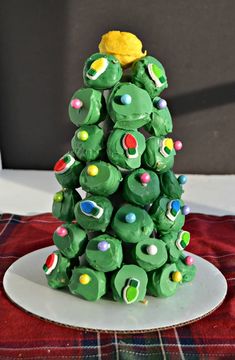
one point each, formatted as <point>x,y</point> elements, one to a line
<point>58,197</point>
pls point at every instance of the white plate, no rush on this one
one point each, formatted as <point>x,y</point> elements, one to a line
<point>26,285</point>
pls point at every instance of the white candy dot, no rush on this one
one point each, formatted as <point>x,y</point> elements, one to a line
<point>152,250</point>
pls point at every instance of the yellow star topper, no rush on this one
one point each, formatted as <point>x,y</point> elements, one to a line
<point>125,46</point>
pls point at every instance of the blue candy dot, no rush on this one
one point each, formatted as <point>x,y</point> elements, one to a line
<point>126,99</point>
<point>185,210</point>
<point>175,205</point>
<point>86,206</point>
<point>103,245</point>
<point>130,218</point>
<point>160,104</point>
<point>182,179</point>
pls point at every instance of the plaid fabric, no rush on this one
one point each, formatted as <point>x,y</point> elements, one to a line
<point>23,336</point>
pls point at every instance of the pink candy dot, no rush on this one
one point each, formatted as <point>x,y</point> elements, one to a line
<point>178,145</point>
<point>145,178</point>
<point>76,103</point>
<point>189,260</point>
<point>61,231</point>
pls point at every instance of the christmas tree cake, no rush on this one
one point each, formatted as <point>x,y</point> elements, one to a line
<point>125,239</point>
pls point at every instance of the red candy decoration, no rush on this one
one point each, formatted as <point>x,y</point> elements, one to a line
<point>130,144</point>
<point>50,260</point>
<point>60,165</point>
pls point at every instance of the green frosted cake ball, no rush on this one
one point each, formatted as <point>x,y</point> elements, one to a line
<point>160,282</point>
<point>167,215</point>
<point>161,121</point>
<point>150,254</point>
<point>70,239</point>
<point>131,224</point>
<point>129,284</point>
<point>67,171</point>
<point>124,148</point>
<point>104,253</point>
<point>170,186</point>
<point>58,270</point>
<point>159,154</point>
<point>87,107</point>
<point>176,242</point>
<point>141,187</point>
<point>188,271</point>
<point>87,283</point>
<point>149,74</point>
<point>102,71</point>
<point>100,178</point>
<point>93,213</point>
<point>88,142</point>
<point>129,106</point>
<point>63,204</point>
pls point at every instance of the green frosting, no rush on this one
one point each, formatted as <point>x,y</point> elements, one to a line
<point>105,183</point>
<point>188,271</point>
<point>73,244</point>
<point>142,78</point>
<point>70,178</point>
<point>107,260</point>
<point>90,223</point>
<point>160,282</point>
<point>120,156</point>
<point>153,158</point>
<point>143,257</point>
<point>92,110</point>
<point>175,244</point>
<point>133,115</point>
<point>170,186</point>
<point>106,79</point>
<point>91,291</point>
<point>91,148</point>
<point>64,203</point>
<point>137,193</point>
<point>173,251</point>
<point>163,224</point>
<point>134,232</point>
<point>161,121</point>
<point>120,279</point>
<point>60,275</point>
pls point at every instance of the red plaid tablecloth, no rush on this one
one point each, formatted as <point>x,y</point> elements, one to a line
<point>23,336</point>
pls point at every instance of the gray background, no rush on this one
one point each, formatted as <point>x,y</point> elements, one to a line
<point>45,43</point>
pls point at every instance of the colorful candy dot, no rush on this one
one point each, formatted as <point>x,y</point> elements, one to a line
<point>76,104</point>
<point>151,249</point>
<point>160,104</point>
<point>58,197</point>
<point>130,218</point>
<point>92,170</point>
<point>178,145</point>
<point>189,260</point>
<point>185,210</point>
<point>182,179</point>
<point>83,135</point>
<point>103,245</point>
<point>126,99</point>
<point>61,231</point>
<point>176,276</point>
<point>145,178</point>
<point>84,279</point>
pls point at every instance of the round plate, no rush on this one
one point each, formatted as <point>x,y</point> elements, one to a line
<point>26,285</point>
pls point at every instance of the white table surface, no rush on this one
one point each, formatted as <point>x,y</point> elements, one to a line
<point>27,192</point>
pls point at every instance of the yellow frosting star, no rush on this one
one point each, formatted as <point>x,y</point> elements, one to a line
<point>125,46</point>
